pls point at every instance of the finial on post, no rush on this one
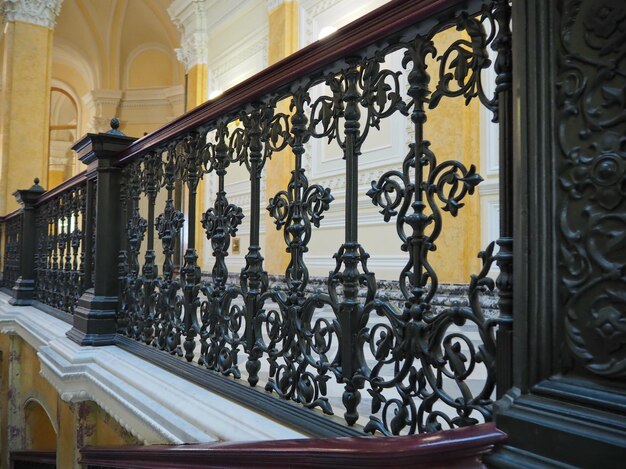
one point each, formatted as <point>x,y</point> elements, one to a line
<point>36,187</point>
<point>115,124</point>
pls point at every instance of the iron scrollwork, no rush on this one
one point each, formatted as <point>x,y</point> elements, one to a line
<point>410,362</point>
<point>60,244</point>
<point>296,340</point>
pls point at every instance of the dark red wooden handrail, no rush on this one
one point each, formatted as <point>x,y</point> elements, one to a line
<point>375,26</point>
<point>462,447</point>
<point>40,457</point>
<point>65,186</point>
<point>10,215</point>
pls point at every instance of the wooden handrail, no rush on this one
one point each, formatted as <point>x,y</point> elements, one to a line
<point>40,457</point>
<point>10,215</point>
<point>65,186</point>
<point>377,25</point>
<point>463,447</point>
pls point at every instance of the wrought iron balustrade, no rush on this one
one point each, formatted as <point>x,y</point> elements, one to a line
<point>60,257</point>
<point>12,231</point>
<point>405,368</point>
<point>107,243</point>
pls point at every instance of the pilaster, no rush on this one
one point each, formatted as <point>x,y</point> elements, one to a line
<point>567,407</point>
<point>26,78</point>
<point>283,31</point>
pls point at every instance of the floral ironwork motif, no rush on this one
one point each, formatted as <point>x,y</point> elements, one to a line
<point>296,341</point>
<point>60,249</point>
<point>405,367</point>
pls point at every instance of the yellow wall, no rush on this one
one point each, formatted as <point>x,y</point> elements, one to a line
<point>40,434</point>
<point>454,132</point>
<point>55,178</point>
<point>33,416</point>
<point>283,31</point>
<point>151,68</point>
<point>25,109</point>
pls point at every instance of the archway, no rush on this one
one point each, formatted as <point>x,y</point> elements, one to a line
<point>39,429</point>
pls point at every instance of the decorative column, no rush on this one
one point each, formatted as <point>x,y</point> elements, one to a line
<point>24,288</point>
<point>191,17</point>
<point>25,96</point>
<point>94,318</point>
<point>283,31</point>
<point>567,403</point>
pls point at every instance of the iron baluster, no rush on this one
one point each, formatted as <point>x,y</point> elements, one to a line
<point>151,181</point>
<point>298,344</point>
<point>254,279</point>
<point>122,257</point>
<point>418,334</point>
<point>168,302</point>
<point>135,232</point>
<point>193,153</point>
<point>350,255</point>
<point>220,334</point>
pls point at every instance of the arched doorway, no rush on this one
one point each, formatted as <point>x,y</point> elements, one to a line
<point>63,133</point>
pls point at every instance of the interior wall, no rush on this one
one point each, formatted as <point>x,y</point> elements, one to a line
<point>40,434</point>
<point>33,417</point>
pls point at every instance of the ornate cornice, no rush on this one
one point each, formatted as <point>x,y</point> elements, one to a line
<point>191,19</point>
<point>102,104</point>
<point>273,4</point>
<point>38,12</point>
<point>194,50</point>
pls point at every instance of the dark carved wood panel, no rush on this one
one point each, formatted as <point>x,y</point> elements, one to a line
<point>591,98</point>
<point>568,404</point>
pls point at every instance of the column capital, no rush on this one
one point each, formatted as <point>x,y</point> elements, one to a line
<point>273,4</point>
<point>191,19</point>
<point>194,50</point>
<point>38,12</point>
<point>102,104</point>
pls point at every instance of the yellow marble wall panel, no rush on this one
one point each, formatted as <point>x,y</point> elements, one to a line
<point>25,109</point>
<point>41,435</point>
<point>33,386</point>
<point>197,94</point>
<point>283,31</point>
<point>109,433</point>
<point>151,68</point>
<point>454,132</point>
<point>197,85</point>
<point>67,455</point>
<point>4,400</point>
<point>33,416</point>
<point>55,178</point>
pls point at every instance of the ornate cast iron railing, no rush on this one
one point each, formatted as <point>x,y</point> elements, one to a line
<point>411,364</point>
<point>60,255</point>
<point>392,367</point>
<point>12,231</point>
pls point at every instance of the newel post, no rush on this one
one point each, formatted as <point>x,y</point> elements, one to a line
<point>94,317</point>
<point>24,289</point>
